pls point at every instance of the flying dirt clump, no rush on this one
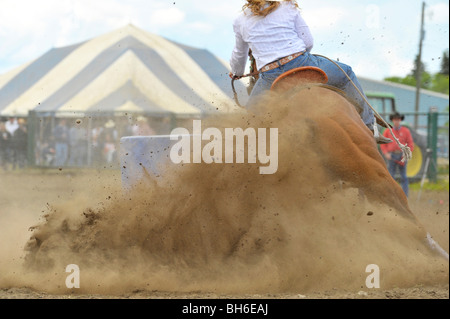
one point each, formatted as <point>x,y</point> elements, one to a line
<point>329,211</point>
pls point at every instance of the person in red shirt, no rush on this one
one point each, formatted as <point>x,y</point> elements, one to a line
<point>392,151</point>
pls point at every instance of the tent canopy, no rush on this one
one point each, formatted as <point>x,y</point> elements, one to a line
<point>127,70</point>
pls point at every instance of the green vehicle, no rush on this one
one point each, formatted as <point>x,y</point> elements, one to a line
<point>384,103</point>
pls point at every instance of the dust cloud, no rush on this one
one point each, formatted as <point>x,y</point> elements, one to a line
<point>329,211</point>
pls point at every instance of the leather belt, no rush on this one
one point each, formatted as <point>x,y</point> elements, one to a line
<point>281,62</point>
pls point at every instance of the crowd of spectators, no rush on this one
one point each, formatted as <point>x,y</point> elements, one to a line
<point>13,143</point>
<point>69,142</point>
<point>75,143</point>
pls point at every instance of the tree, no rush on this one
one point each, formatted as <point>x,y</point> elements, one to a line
<point>408,80</point>
<point>418,65</point>
<point>411,80</point>
<point>444,63</point>
<point>438,82</point>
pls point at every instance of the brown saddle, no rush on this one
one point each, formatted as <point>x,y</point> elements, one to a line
<point>307,76</point>
<point>299,76</point>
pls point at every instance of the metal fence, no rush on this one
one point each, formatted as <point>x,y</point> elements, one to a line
<point>90,141</point>
<point>429,121</point>
<point>67,140</point>
<point>431,139</point>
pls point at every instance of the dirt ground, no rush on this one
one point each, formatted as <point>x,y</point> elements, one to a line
<point>25,196</point>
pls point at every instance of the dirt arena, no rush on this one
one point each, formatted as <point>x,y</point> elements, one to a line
<point>26,196</point>
<point>225,231</point>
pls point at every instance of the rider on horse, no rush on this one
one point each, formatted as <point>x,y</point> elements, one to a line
<point>280,40</point>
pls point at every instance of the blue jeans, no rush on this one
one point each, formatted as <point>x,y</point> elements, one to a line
<point>392,167</point>
<point>336,78</point>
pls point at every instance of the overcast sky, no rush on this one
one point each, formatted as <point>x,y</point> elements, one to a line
<point>378,38</point>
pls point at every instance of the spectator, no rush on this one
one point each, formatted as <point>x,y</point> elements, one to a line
<point>394,154</point>
<point>19,145</point>
<point>12,125</point>
<point>61,135</point>
<point>97,144</point>
<point>109,148</point>
<point>78,145</point>
<point>48,152</point>
<point>108,138</point>
<point>5,147</point>
<point>165,126</point>
<point>142,128</point>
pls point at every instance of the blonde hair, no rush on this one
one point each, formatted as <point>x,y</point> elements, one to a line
<point>258,8</point>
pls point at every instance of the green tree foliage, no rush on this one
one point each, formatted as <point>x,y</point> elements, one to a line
<point>418,65</point>
<point>427,80</point>
<point>444,63</point>
<point>408,80</point>
<point>438,82</point>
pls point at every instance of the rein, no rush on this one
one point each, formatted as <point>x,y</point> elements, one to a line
<point>249,89</point>
<point>254,73</point>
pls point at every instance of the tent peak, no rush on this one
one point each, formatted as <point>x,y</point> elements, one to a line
<point>130,28</point>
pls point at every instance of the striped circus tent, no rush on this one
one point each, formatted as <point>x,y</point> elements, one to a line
<point>127,70</point>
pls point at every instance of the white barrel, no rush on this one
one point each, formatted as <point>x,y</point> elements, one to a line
<point>141,156</point>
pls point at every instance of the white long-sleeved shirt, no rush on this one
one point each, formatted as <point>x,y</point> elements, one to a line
<point>279,34</point>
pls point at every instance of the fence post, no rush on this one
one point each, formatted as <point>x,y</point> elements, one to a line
<point>432,143</point>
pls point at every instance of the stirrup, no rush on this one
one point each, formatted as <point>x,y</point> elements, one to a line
<point>383,140</point>
<point>380,139</point>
